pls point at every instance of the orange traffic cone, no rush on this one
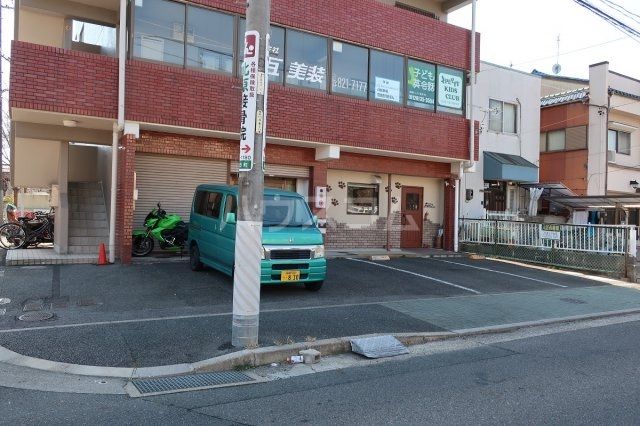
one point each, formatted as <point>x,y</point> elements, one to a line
<point>102,255</point>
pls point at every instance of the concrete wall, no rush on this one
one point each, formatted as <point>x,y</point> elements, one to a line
<point>433,194</point>
<point>507,85</point>
<point>104,173</point>
<point>36,163</point>
<point>83,163</point>
<point>39,27</point>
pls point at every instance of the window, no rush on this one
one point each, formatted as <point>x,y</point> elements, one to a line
<point>362,198</point>
<point>209,40</point>
<point>576,137</point>
<point>200,202</point>
<point>230,206</point>
<point>213,204</point>
<point>502,116</point>
<point>386,77</point>
<point>306,60</point>
<point>451,86</point>
<point>282,210</point>
<point>349,66</point>
<point>421,84</point>
<point>93,38</point>
<point>159,31</point>
<point>275,67</point>
<point>619,141</point>
<point>555,140</point>
<point>543,142</point>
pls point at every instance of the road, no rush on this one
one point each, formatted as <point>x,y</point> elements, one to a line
<point>580,376</point>
<point>123,316</point>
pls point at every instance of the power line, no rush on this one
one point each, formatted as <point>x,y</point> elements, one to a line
<point>631,32</point>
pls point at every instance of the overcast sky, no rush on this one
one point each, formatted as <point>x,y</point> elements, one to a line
<point>523,33</point>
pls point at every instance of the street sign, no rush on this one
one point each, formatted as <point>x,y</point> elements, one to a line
<point>249,93</point>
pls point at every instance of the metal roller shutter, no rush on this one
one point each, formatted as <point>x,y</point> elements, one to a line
<point>279,170</point>
<point>172,181</point>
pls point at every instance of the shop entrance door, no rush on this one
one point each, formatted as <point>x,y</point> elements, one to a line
<point>411,217</point>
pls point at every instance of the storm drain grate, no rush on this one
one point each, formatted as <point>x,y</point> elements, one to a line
<point>572,300</point>
<point>177,383</point>
<point>36,316</point>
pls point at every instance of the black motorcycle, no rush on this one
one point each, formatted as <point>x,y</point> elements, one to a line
<point>28,231</point>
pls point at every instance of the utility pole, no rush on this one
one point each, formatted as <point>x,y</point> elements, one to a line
<point>248,250</point>
<point>1,124</point>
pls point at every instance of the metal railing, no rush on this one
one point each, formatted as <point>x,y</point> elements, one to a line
<point>503,215</point>
<point>590,238</point>
<point>590,247</point>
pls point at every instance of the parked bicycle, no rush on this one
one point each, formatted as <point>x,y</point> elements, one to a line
<point>28,231</point>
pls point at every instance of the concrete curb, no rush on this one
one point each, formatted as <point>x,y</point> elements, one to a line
<point>263,356</point>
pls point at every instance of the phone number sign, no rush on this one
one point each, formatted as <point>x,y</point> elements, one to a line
<point>249,100</point>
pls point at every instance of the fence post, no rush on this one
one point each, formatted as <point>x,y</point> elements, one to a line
<point>632,250</point>
<point>495,238</point>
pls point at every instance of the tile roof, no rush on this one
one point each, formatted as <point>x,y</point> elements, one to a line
<point>565,97</point>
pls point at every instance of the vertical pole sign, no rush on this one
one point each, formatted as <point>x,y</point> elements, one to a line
<point>248,250</point>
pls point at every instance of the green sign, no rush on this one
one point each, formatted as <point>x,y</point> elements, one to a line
<point>421,84</point>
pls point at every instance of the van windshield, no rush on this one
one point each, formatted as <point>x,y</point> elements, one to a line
<point>286,211</point>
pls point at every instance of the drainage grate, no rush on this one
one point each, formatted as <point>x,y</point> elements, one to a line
<point>4,301</point>
<point>178,383</point>
<point>572,300</point>
<point>36,316</point>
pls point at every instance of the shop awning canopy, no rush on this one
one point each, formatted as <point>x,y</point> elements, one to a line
<point>598,202</point>
<point>508,167</point>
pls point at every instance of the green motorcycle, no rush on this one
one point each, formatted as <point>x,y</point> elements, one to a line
<point>169,230</point>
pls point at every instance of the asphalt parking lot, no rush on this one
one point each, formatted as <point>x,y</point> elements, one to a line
<point>157,314</point>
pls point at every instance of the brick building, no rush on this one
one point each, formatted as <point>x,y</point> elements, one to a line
<point>589,142</point>
<point>366,98</point>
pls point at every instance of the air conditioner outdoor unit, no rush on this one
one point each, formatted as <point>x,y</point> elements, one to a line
<point>611,156</point>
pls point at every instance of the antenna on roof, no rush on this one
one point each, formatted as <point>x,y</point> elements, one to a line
<point>556,67</point>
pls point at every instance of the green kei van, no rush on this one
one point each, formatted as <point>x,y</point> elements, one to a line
<point>292,245</point>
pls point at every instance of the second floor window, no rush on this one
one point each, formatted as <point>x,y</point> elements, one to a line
<point>502,116</point>
<point>159,34</point>
<point>619,142</point>
<point>209,40</point>
<point>306,60</point>
<point>349,65</point>
<point>386,77</point>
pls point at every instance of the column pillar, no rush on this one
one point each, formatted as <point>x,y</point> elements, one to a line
<point>61,234</point>
<point>124,197</point>
<point>449,213</point>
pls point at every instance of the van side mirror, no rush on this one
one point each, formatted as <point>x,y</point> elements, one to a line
<point>231,218</point>
<point>315,220</point>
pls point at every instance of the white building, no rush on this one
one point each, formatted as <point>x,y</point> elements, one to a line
<point>507,106</point>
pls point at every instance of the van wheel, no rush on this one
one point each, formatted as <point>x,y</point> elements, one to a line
<point>194,258</point>
<point>314,286</point>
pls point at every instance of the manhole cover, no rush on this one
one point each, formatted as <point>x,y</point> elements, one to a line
<point>4,301</point>
<point>36,316</point>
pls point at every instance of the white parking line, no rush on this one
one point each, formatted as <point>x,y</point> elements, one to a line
<point>502,272</point>
<point>417,275</point>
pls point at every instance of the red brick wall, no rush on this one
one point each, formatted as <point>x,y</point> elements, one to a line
<point>52,79</point>
<point>153,91</point>
<point>373,24</point>
<point>124,198</point>
<point>449,213</point>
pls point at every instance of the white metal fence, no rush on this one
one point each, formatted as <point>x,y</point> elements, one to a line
<point>585,238</point>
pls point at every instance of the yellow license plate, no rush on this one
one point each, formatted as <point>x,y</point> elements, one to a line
<point>290,276</point>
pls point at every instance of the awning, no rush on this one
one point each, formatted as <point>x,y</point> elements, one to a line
<point>551,189</point>
<point>598,202</point>
<point>507,167</point>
